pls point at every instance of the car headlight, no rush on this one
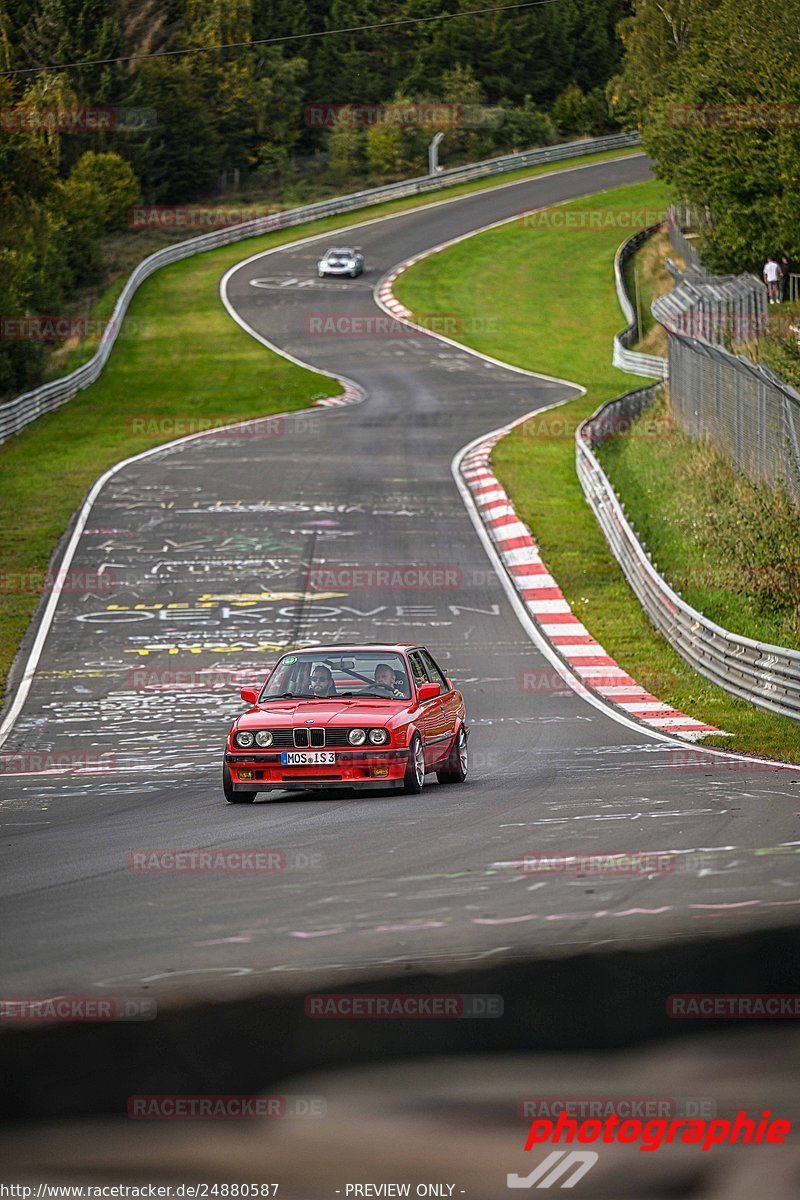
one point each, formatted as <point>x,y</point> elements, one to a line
<point>357,737</point>
<point>244,738</point>
<point>263,738</point>
<point>379,737</point>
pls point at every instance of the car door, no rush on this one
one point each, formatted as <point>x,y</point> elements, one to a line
<point>450,701</point>
<point>429,715</point>
<point>438,733</point>
<point>453,700</point>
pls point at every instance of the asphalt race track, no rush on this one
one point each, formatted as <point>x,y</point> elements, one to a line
<point>208,544</point>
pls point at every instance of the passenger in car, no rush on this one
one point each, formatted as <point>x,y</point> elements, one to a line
<point>322,681</point>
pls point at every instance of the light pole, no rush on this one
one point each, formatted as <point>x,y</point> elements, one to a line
<point>433,154</point>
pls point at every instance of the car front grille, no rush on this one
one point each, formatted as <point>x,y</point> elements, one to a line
<point>303,737</point>
<point>309,737</point>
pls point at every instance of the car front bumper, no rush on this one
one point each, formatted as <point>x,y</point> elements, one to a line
<point>264,771</point>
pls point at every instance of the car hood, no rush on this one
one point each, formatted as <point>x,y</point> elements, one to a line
<point>321,712</point>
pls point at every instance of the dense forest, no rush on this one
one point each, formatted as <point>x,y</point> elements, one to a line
<point>155,112</point>
<point>147,107</point>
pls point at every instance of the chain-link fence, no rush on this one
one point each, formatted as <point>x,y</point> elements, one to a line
<point>718,308</point>
<point>678,219</point>
<point>745,410</point>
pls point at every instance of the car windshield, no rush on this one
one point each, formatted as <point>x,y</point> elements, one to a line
<point>339,255</point>
<point>315,674</point>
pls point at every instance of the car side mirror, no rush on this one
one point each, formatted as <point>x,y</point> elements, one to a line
<point>249,695</point>
<point>426,691</point>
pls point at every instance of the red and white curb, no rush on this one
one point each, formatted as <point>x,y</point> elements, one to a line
<point>351,395</point>
<point>545,602</point>
<point>387,296</point>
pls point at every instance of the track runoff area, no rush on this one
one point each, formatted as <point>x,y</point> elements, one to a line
<point>211,542</point>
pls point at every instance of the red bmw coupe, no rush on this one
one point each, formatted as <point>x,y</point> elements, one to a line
<point>347,716</point>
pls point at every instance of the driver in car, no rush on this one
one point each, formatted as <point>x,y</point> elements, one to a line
<point>385,681</point>
<point>322,681</point>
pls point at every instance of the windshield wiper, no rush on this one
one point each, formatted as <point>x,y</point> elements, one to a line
<point>291,696</point>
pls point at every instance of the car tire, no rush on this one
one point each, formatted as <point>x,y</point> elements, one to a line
<point>353,274</point>
<point>458,762</point>
<point>232,796</point>
<point>414,778</point>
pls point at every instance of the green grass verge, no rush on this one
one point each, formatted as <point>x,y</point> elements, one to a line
<point>531,311</point>
<point>185,359</point>
<point>730,547</point>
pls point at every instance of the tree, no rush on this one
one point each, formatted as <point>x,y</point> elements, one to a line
<point>722,121</point>
<point>114,183</point>
<point>654,40</point>
<point>180,158</point>
<point>525,126</point>
<point>569,111</point>
<point>346,145</point>
<point>384,146</point>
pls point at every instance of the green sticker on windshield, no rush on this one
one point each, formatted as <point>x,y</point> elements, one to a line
<point>290,658</point>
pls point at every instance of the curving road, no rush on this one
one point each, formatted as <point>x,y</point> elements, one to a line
<point>208,544</point>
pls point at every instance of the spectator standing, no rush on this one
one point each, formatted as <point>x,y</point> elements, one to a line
<point>772,276</point>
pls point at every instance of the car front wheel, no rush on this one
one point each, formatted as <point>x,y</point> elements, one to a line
<point>232,796</point>
<point>458,762</point>
<point>415,771</point>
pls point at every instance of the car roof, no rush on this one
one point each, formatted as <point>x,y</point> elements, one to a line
<point>340,250</point>
<point>348,649</point>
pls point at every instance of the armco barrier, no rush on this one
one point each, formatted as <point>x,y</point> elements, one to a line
<point>650,365</point>
<point>17,413</point>
<point>766,675</point>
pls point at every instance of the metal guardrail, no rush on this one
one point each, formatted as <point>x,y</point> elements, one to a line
<point>766,675</point>
<point>17,413</point>
<point>650,365</point>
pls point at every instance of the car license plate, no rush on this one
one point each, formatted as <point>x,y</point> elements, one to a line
<point>307,758</point>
